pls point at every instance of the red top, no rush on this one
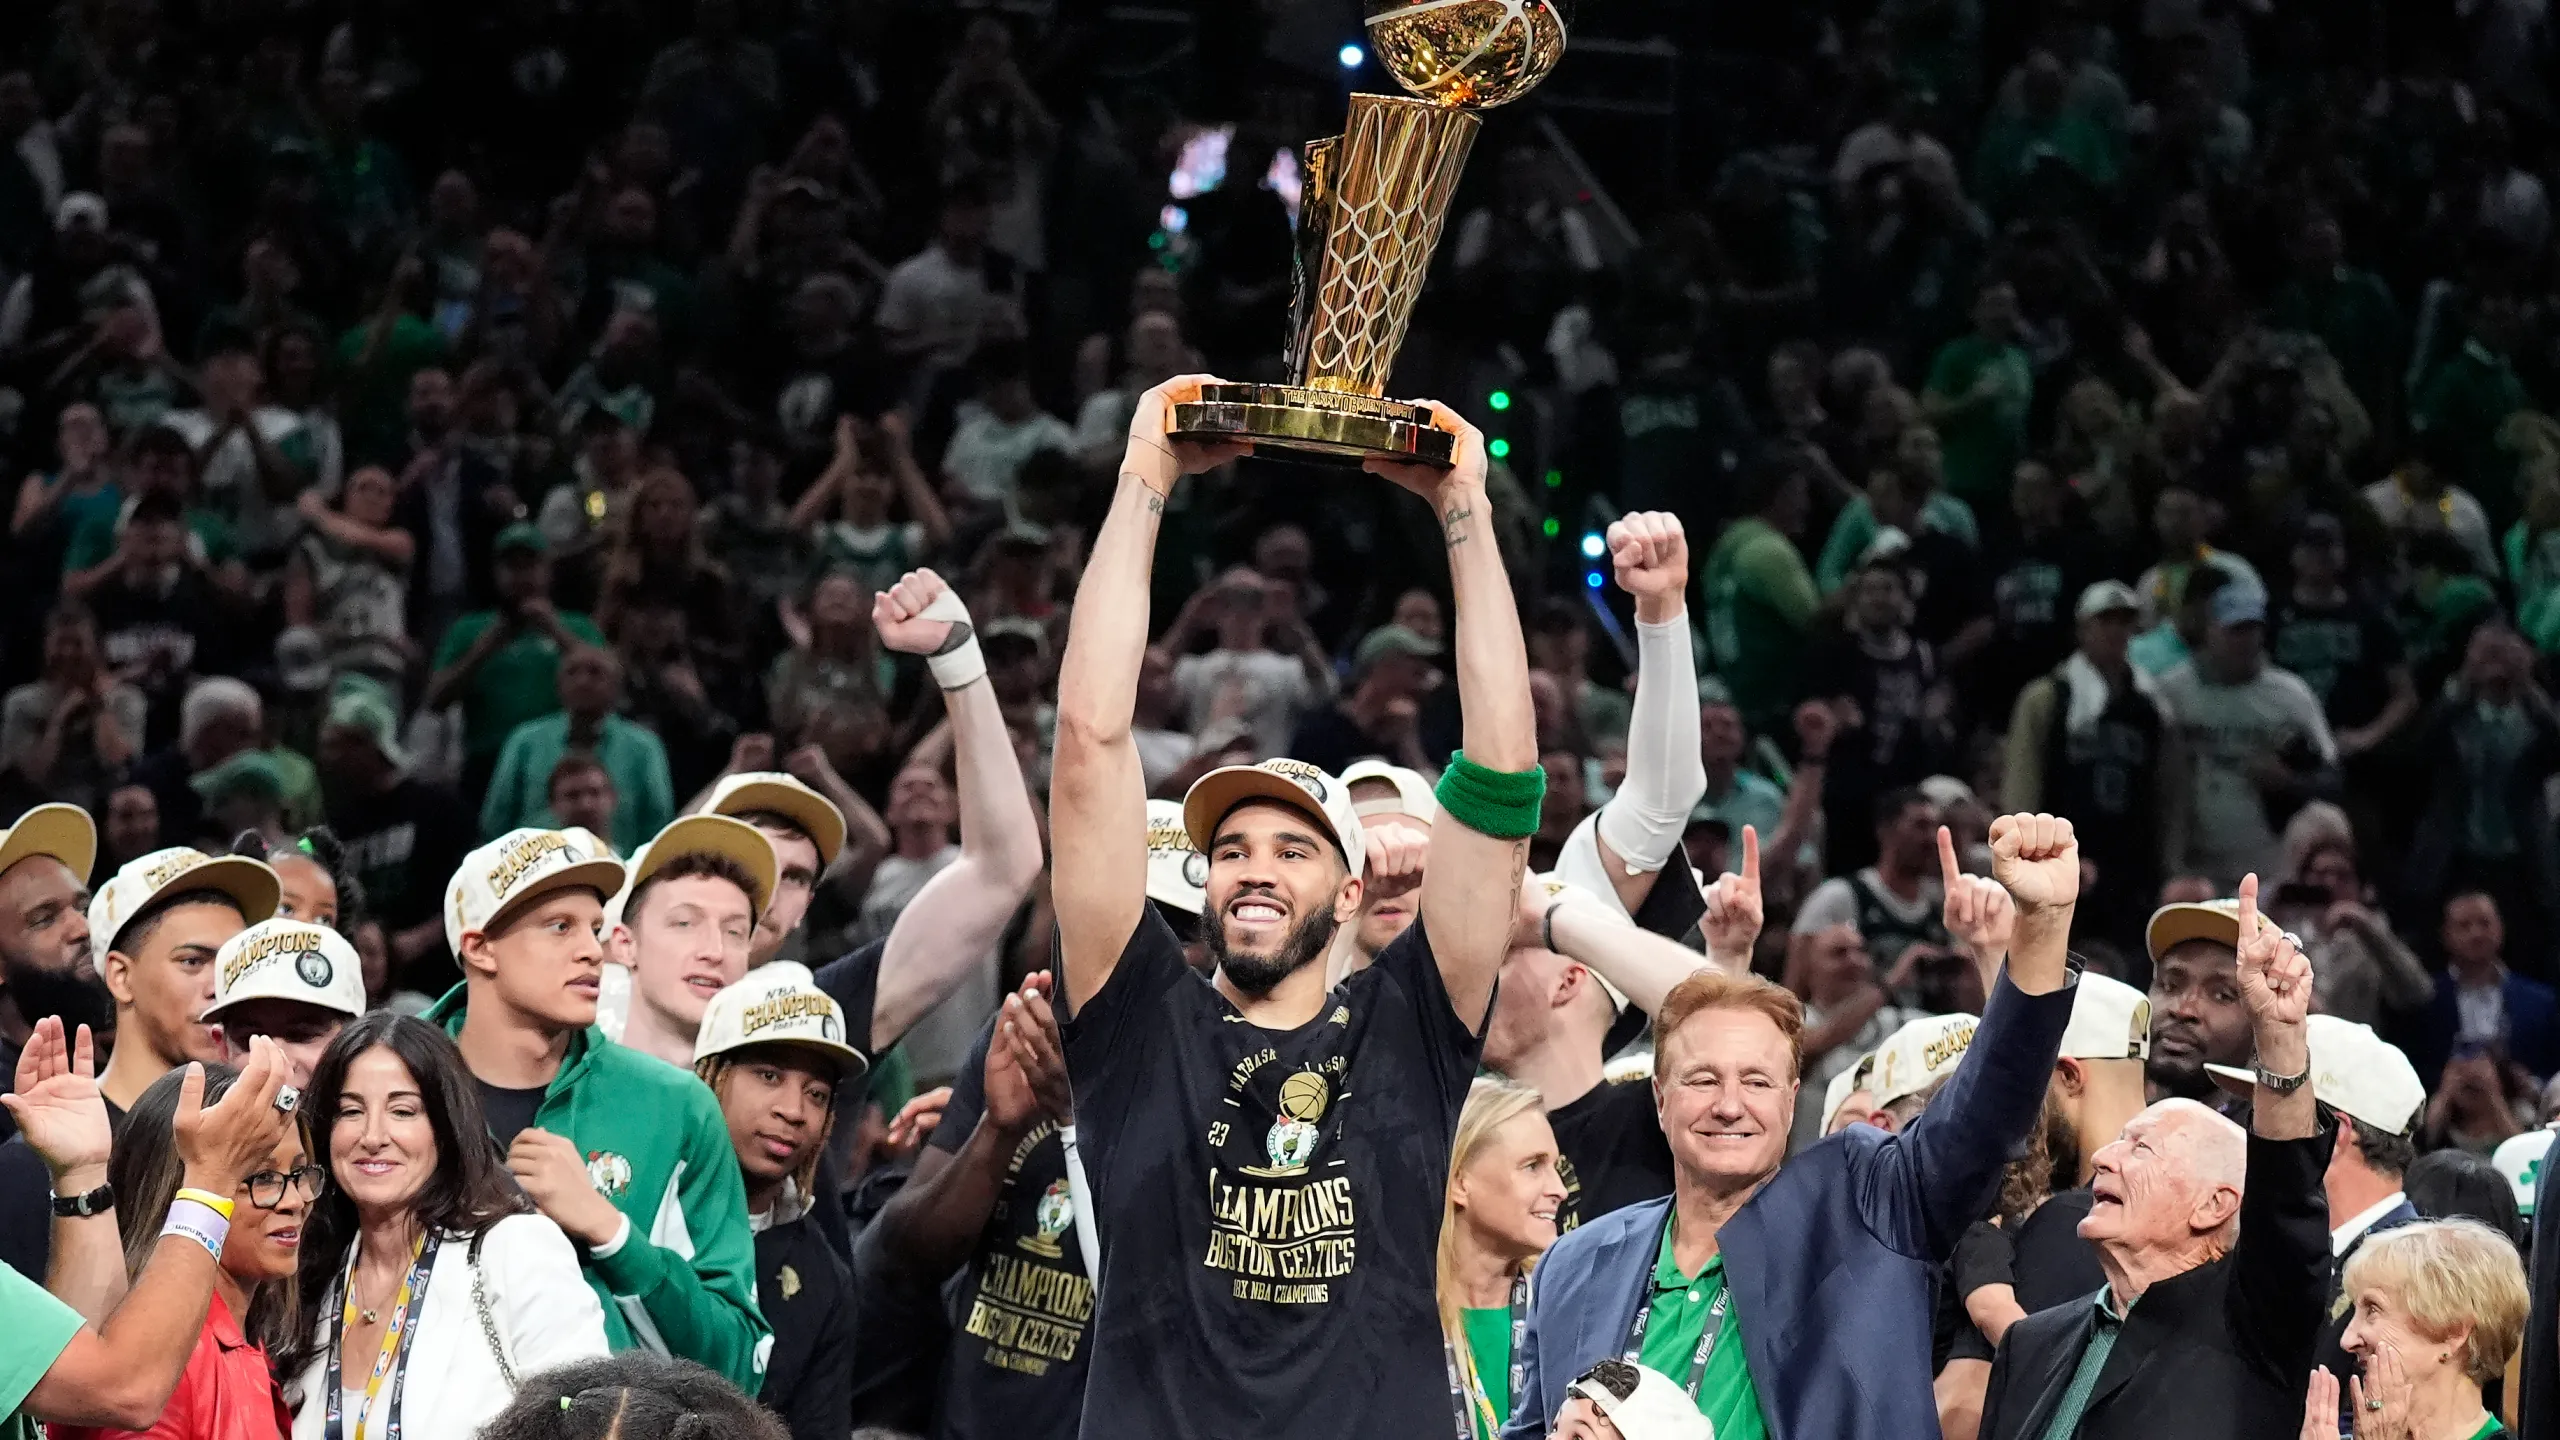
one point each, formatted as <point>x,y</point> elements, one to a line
<point>228,1392</point>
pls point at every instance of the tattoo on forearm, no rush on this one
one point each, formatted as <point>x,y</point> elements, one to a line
<point>1155,500</point>
<point>1452,525</point>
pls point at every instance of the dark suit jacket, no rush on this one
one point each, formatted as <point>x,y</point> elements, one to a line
<point>2222,1352</point>
<point>2539,1414</point>
<point>2333,1329</point>
<point>1833,1265</point>
<point>2533,1029</point>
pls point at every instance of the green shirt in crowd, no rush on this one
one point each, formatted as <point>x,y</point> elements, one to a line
<point>631,753</point>
<point>1982,442</point>
<point>518,683</point>
<point>2469,397</point>
<point>1681,1307</point>
<point>1760,601</point>
<point>43,1327</point>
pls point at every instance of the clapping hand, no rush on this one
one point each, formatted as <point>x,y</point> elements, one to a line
<point>236,1136</point>
<point>917,1120</point>
<point>58,1108</point>
<point>2275,976</point>
<point>1027,1030</point>
<point>2320,1406</point>
<point>2381,1397</point>
<point>1979,912</point>
<point>1732,921</point>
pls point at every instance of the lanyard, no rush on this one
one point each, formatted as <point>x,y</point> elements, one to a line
<point>1718,1317</point>
<point>1467,1396</point>
<point>394,1356</point>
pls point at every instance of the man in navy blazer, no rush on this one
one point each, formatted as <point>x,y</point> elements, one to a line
<point>1830,1264</point>
<point>2526,1020</point>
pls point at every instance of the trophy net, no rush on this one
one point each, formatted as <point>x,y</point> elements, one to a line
<point>1383,192</point>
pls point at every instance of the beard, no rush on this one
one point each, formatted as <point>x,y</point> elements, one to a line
<point>1258,975</point>
<point>78,999</point>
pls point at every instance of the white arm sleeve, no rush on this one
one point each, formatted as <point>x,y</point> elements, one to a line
<point>1665,777</point>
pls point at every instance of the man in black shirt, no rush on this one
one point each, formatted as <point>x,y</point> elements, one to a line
<point>1268,1154</point>
<point>2035,575</point>
<point>400,833</point>
<point>160,619</point>
<point>2347,649</point>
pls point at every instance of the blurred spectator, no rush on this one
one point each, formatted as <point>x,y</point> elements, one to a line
<point>995,433</point>
<point>399,832</point>
<point>2487,747</point>
<point>1389,673</point>
<point>2341,644</point>
<point>2481,1007</point>
<point>348,580</point>
<point>1884,684</point>
<point>1559,635</point>
<point>1264,669</point>
<point>580,793</point>
<point>1760,598</point>
<point>849,506</point>
<point>590,685</point>
<point>1977,397</point>
<point>2361,969</point>
<point>2256,743</point>
<point>71,732</point>
<point>501,664</point>
<point>222,718</point>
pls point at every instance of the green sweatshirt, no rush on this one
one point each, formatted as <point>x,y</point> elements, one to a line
<point>684,1281</point>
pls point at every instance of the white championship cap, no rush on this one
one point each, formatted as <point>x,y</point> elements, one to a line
<point>516,868</point>
<point>2520,1159</point>
<point>1413,799</point>
<point>1290,782</point>
<point>283,959</point>
<point>1642,1403</point>
<point>784,795</point>
<point>780,1004</point>
<point>1913,1058</point>
<point>145,882</point>
<point>697,835</point>
<point>1177,875</point>
<point>2110,1020</point>
<point>2174,925</point>
<point>64,832</point>
<point>1845,1084</point>
<point>2354,1072</point>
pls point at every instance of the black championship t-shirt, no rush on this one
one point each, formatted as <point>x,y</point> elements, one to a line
<point>1022,1309</point>
<point>1609,1145</point>
<point>1270,1200</point>
<point>2344,652</point>
<point>852,980</point>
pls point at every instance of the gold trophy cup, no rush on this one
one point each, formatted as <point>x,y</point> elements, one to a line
<point>1376,197</point>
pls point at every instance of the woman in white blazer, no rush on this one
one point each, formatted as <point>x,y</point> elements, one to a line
<point>428,1287</point>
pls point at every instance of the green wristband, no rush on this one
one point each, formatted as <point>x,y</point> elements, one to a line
<point>1499,803</point>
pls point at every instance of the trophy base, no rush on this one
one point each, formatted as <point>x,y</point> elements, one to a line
<point>1325,424</point>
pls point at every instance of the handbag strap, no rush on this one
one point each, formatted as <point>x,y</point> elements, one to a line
<point>488,1317</point>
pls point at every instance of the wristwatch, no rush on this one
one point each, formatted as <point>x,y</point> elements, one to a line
<point>81,1207</point>
<point>2281,1084</point>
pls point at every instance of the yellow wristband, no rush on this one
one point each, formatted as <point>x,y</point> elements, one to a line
<point>218,1204</point>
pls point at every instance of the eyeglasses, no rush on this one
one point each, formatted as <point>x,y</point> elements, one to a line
<point>266,1188</point>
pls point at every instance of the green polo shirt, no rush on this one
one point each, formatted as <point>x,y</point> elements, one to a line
<point>1681,1305</point>
<point>2093,1363</point>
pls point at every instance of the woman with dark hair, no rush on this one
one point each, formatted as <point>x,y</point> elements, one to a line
<point>634,1394</point>
<point>2456,1185</point>
<point>421,1258</point>
<point>315,882</point>
<point>227,1391</point>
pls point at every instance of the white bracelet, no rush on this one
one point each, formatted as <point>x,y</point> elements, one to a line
<point>960,662</point>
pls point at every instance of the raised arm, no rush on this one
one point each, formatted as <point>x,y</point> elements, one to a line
<point>956,919</point>
<point>58,1108</point>
<point>2281,1262</point>
<point>1978,913</point>
<point>1643,966</point>
<point>1097,791</point>
<point>1639,829</point>
<point>1472,884</point>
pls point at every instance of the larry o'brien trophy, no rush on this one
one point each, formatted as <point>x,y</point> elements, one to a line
<point>1376,197</point>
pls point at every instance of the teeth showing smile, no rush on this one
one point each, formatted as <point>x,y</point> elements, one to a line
<point>1255,912</point>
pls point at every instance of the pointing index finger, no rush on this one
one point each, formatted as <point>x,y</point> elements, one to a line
<point>1751,854</point>
<point>1947,871</point>
<point>2248,908</point>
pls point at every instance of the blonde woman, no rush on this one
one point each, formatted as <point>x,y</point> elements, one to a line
<point>1499,1217</point>
<point>2437,1310</point>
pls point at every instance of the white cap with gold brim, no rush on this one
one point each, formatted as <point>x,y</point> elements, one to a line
<point>1413,798</point>
<point>2175,925</point>
<point>701,835</point>
<point>1293,783</point>
<point>750,791</point>
<point>64,832</point>
<point>2110,1020</point>
<point>1919,1054</point>
<point>284,959</point>
<point>1845,1084</point>
<point>2354,1072</point>
<point>779,1004</point>
<point>1177,875</point>
<point>143,883</point>
<point>516,869</point>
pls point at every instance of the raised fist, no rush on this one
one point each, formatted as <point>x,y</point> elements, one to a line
<point>1651,555</point>
<point>898,614</point>
<point>2036,859</point>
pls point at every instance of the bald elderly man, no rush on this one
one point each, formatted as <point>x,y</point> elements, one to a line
<point>2215,1245</point>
